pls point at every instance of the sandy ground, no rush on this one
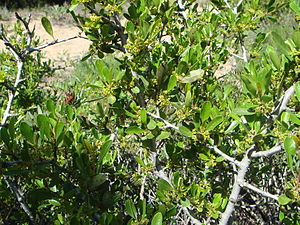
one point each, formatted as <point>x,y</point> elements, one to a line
<point>61,52</point>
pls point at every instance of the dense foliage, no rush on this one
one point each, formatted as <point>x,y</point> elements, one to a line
<point>152,134</point>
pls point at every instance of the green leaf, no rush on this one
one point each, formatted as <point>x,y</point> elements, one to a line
<point>72,7</point>
<point>297,90</point>
<point>242,112</point>
<point>172,82</point>
<point>157,219</point>
<point>290,149</point>
<point>134,130</point>
<point>135,90</point>
<point>295,7</point>
<point>217,200</point>
<point>44,126</point>
<point>185,131</point>
<point>249,84</point>
<point>139,161</point>
<point>111,99</point>
<point>54,202</point>
<point>27,132</point>
<point>50,105</point>
<point>58,129</point>
<point>130,209</point>
<point>151,125</point>
<point>144,116</point>
<point>163,135</point>
<point>188,98</point>
<point>104,150</point>
<point>284,200</point>
<point>205,111</point>
<point>4,135</point>
<point>47,26</point>
<point>274,58</point>
<point>70,112</point>
<point>294,119</point>
<point>203,157</point>
<point>91,37</point>
<point>281,45</point>
<point>193,76</point>
<point>231,127</point>
<point>214,123</point>
<point>296,38</point>
<point>164,185</point>
<point>281,216</point>
<point>185,203</point>
<point>97,180</point>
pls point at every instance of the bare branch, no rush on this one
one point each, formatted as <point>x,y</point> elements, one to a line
<point>20,198</point>
<point>259,191</point>
<point>235,192</point>
<point>30,50</point>
<point>168,124</point>
<point>193,219</point>
<point>284,100</point>
<point>143,187</point>
<point>227,157</point>
<point>269,152</point>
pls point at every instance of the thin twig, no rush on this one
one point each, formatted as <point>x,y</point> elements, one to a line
<point>227,157</point>
<point>168,124</point>
<point>30,50</point>
<point>259,191</point>
<point>20,198</point>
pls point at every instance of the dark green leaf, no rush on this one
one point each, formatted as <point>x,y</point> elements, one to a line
<point>4,135</point>
<point>104,150</point>
<point>130,209</point>
<point>27,132</point>
<point>58,129</point>
<point>44,126</point>
<point>47,26</point>
<point>97,180</point>
<point>134,130</point>
<point>164,185</point>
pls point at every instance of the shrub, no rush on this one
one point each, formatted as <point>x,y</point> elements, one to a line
<point>151,135</point>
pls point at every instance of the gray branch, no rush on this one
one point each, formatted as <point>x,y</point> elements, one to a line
<point>236,189</point>
<point>269,152</point>
<point>283,102</point>
<point>259,191</point>
<point>168,124</point>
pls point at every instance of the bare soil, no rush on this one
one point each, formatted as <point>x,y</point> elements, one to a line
<point>61,52</point>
